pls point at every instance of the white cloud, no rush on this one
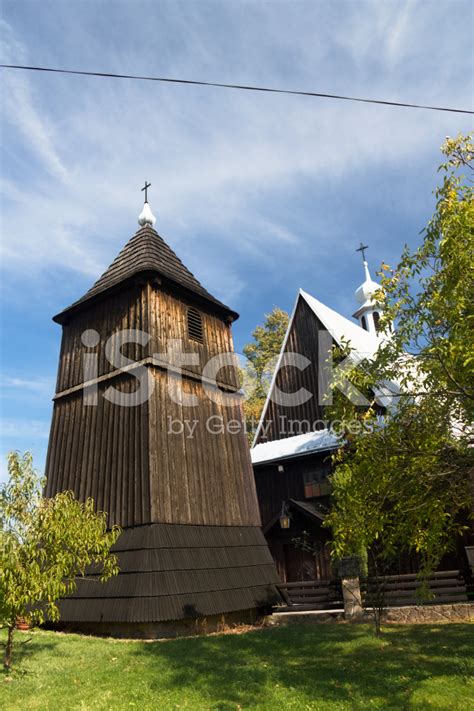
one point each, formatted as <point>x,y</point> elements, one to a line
<point>20,110</point>
<point>24,428</point>
<point>217,160</point>
<point>18,387</point>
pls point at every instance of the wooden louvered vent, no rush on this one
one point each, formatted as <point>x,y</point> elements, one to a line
<point>195,325</point>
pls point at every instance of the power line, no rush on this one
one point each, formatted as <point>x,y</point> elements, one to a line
<point>241,87</point>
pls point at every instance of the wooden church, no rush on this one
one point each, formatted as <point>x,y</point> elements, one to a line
<point>192,549</point>
<point>293,445</point>
<point>291,452</point>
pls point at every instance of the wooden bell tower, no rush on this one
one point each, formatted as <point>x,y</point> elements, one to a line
<point>172,468</point>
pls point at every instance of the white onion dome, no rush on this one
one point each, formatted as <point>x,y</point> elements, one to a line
<point>146,217</point>
<point>367,289</point>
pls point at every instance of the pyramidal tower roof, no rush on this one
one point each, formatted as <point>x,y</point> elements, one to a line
<point>146,252</point>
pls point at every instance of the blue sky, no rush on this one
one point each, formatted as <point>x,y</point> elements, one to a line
<point>258,194</point>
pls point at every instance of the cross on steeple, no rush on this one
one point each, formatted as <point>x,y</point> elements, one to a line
<point>362,249</point>
<point>147,185</point>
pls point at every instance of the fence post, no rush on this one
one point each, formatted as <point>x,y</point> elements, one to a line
<point>349,574</point>
<point>352,597</point>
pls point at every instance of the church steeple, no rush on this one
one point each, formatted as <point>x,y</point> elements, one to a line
<point>368,313</point>
<point>191,546</point>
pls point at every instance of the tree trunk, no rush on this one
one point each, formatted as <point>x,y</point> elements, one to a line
<point>378,594</point>
<point>7,660</point>
<point>377,620</point>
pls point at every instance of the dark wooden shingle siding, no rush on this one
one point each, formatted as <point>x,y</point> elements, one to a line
<point>185,571</point>
<point>166,608</point>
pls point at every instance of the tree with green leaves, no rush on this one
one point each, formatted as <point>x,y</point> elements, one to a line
<point>402,482</point>
<point>261,357</point>
<point>45,544</point>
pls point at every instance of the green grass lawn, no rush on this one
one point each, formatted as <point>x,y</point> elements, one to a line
<point>318,666</point>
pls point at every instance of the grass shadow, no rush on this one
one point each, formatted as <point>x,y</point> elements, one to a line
<point>330,663</point>
<point>25,647</point>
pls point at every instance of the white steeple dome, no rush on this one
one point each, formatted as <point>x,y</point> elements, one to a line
<point>368,313</point>
<point>146,217</point>
<point>367,289</point>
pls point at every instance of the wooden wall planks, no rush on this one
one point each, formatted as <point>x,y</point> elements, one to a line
<point>102,453</point>
<point>302,339</point>
<point>125,458</point>
<point>152,310</point>
<point>274,487</point>
<point>205,478</point>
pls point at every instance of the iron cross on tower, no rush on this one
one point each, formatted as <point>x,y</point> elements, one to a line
<point>147,185</point>
<point>362,249</point>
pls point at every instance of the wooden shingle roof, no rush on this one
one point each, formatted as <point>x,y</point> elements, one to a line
<point>170,572</point>
<point>146,252</point>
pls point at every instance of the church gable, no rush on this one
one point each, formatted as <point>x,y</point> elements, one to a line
<point>301,338</point>
<point>309,319</point>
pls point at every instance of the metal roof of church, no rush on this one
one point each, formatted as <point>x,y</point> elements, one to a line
<point>146,251</point>
<point>364,344</point>
<point>296,446</point>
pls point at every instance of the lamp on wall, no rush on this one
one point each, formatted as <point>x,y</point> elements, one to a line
<point>284,516</point>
